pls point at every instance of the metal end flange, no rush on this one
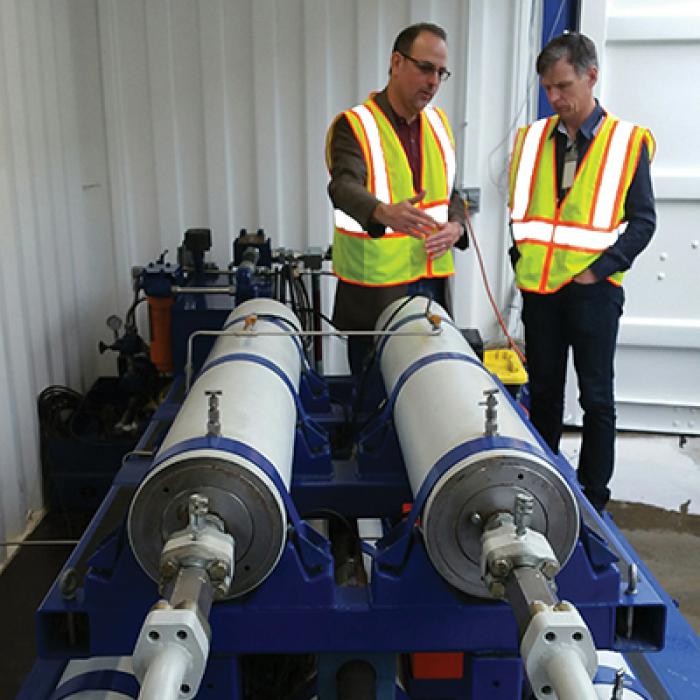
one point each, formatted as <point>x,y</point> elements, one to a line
<point>244,501</point>
<point>481,486</point>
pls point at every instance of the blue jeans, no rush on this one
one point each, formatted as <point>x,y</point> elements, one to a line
<point>585,318</point>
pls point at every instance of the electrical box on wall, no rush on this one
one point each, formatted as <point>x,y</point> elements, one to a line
<point>472,197</point>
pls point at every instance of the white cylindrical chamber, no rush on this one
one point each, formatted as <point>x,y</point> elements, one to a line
<point>76,669</point>
<point>256,379</point>
<point>439,409</point>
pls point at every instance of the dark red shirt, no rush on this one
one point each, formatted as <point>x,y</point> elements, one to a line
<point>409,135</point>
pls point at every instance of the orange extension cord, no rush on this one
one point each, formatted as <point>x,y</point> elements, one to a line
<point>487,287</point>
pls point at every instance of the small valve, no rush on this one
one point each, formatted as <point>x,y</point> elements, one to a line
<point>198,508</point>
<point>435,320</point>
<point>491,415</point>
<point>523,513</point>
<point>213,416</point>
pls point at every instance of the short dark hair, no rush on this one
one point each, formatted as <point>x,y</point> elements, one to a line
<point>576,48</point>
<point>404,41</point>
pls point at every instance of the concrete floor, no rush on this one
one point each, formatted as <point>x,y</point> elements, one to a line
<point>669,544</point>
<point>656,504</point>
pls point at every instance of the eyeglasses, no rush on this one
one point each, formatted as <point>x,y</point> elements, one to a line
<point>428,68</point>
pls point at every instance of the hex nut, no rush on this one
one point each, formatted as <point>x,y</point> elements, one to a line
<point>218,570</point>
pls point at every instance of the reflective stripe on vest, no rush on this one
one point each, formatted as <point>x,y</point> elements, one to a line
<point>604,215</point>
<point>348,225</point>
<point>396,257</point>
<point>534,231</point>
<point>526,169</point>
<point>558,241</point>
<point>448,151</point>
<point>380,186</point>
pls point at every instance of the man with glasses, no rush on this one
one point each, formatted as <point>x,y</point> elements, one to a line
<point>582,209</point>
<point>392,167</point>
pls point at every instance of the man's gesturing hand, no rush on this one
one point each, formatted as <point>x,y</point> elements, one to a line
<point>443,239</point>
<point>405,217</point>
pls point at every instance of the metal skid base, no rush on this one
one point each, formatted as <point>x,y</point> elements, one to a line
<point>98,604</point>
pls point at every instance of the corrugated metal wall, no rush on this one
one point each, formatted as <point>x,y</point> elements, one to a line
<point>55,269</point>
<point>125,122</point>
<point>217,110</point>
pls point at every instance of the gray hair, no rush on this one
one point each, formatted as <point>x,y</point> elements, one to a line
<point>576,48</point>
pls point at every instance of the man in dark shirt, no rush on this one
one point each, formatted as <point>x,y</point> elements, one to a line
<point>570,276</point>
<point>418,66</point>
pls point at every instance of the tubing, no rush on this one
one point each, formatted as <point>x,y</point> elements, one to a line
<point>568,677</point>
<point>165,674</point>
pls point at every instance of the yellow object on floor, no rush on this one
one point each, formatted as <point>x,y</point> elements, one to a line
<point>506,365</point>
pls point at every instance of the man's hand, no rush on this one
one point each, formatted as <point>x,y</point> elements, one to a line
<point>405,217</point>
<point>438,243</point>
<point>585,277</point>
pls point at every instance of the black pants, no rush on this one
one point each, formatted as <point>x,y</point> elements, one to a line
<point>586,319</point>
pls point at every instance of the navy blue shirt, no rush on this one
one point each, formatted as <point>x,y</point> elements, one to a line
<point>640,210</point>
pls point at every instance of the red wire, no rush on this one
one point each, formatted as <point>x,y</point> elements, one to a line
<point>487,287</point>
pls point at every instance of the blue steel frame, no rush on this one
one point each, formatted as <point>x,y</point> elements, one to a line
<point>406,608</point>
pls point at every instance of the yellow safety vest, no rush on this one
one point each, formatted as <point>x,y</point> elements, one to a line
<point>558,242</point>
<point>395,258</point>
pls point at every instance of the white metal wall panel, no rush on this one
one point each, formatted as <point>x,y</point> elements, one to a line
<point>217,113</point>
<point>50,256</point>
<point>649,54</point>
<point>499,91</point>
<point>217,110</point>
